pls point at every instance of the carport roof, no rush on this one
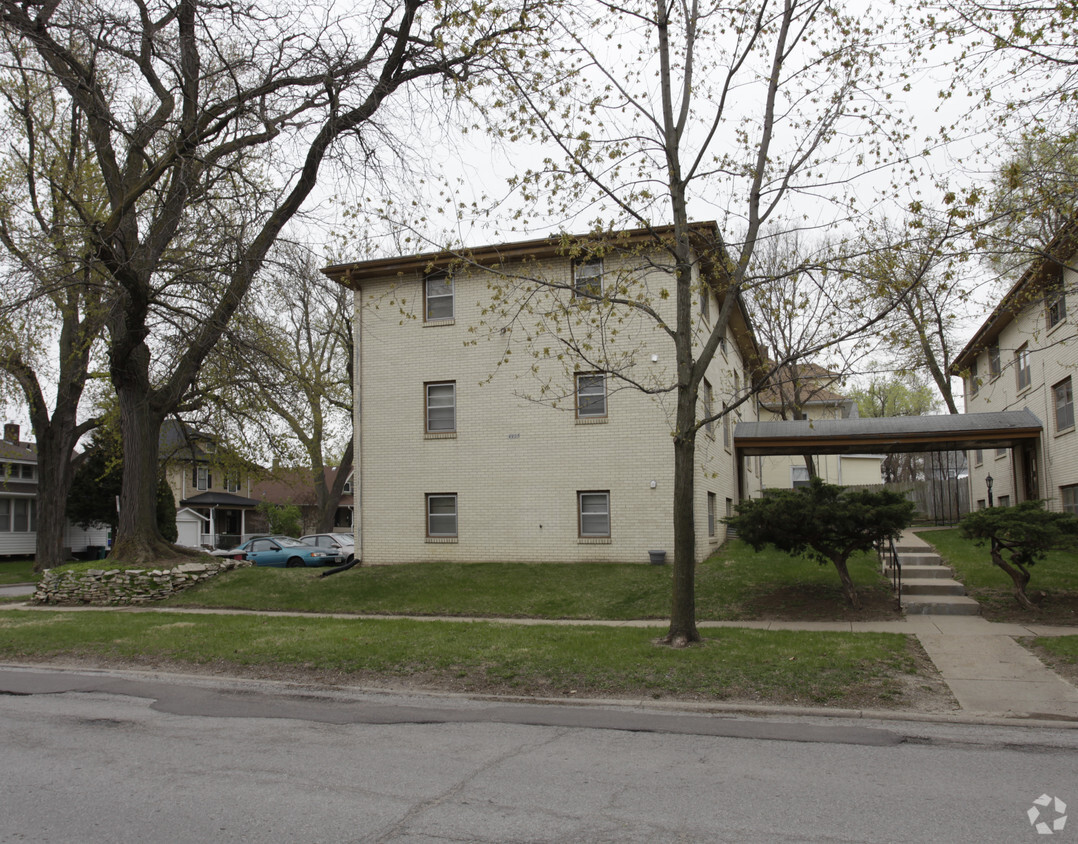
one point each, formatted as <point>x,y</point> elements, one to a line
<point>958,432</point>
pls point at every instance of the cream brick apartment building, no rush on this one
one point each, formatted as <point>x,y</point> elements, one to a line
<point>1025,357</point>
<point>480,436</point>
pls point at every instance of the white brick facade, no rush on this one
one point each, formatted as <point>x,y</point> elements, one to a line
<point>519,456</point>
<point>1018,360</point>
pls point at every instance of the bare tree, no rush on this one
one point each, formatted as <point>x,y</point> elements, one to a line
<point>210,124</point>
<point>281,378</point>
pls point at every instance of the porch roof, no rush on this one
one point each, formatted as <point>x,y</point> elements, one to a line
<point>959,432</point>
<point>219,499</point>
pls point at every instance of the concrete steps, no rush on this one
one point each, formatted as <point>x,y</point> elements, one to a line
<point>929,587</point>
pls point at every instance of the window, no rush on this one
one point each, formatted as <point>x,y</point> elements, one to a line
<point>726,429</point>
<point>709,426</point>
<point>974,381</point>
<point>347,488</point>
<point>1069,494</point>
<point>441,411</point>
<point>980,503</point>
<point>5,515</point>
<point>712,503</point>
<point>1004,501</point>
<point>594,511</point>
<point>994,365</point>
<point>722,345</point>
<point>1064,404</point>
<point>1001,452</point>
<point>978,457</point>
<point>442,514</point>
<point>590,396</point>
<point>22,515</point>
<point>203,478</point>
<point>705,303</point>
<point>1023,371</point>
<point>232,482</point>
<point>588,278</point>
<point>439,297</point>
<point>799,476</point>
<point>1055,302</point>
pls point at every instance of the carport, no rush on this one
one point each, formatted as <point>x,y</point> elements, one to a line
<point>1019,430</point>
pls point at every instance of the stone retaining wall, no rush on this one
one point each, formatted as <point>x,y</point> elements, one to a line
<point>111,587</point>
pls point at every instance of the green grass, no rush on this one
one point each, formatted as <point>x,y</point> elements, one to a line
<point>483,656</point>
<point>1058,571</point>
<point>17,571</point>
<point>1063,648</point>
<point>734,584</point>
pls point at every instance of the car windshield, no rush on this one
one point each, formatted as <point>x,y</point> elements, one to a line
<point>288,541</point>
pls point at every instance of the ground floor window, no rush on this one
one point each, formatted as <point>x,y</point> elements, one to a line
<point>18,515</point>
<point>711,505</point>
<point>594,513</point>
<point>1070,498</point>
<point>1004,501</point>
<point>442,514</point>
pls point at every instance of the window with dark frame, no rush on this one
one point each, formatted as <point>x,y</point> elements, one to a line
<point>712,505</point>
<point>590,395</point>
<point>442,515</point>
<point>974,382</point>
<point>995,367</point>
<point>5,515</point>
<point>1063,401</point>
<point>588,278</point>
<point>1023,369</point>
<point>1055,302</point>
<point>593,510</point>
<point>705,303</point>
<point>441,407</point>
<point>438,294</point>
<point>203,478</point>
<point>707,396</point>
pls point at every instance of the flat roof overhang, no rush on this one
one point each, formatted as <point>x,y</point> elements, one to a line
<point>891,435</point>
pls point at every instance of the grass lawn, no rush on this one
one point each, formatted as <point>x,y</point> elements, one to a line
<point>735,584</point>
<point>839,669</point>
<point>1056,575</point>
<point>17,571</point>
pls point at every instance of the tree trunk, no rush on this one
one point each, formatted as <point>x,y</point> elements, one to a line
<point>848,588</point>
<point>333,494</point>
<point>810,464</point>
<point>683,604</point>
<point>1019,576</point>
<point>55,473</point>
<point>137,536</point>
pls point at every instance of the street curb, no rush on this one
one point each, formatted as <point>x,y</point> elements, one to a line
<point>288,687</point>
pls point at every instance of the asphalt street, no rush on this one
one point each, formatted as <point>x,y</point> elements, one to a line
<point>111,756</point>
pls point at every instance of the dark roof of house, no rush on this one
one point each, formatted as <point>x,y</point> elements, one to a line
<point>1027,289</point>
<point>804,380</point>
<point>180,440</point>
<point>887,435</point>
<point>24,451</point>
<point>218,499</point>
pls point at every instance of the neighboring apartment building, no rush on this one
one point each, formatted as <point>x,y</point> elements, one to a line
<point>212,489</point>
<point>479,437</point>
<point>803,391</point>
<point>18,502</point>
<point>1025,357</point>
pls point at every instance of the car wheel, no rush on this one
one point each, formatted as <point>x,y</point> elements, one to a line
<point>294,563</point>
<point>350,558</point>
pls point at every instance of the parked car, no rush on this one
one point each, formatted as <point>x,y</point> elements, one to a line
<point>284,551</point>
<point>345,543</point>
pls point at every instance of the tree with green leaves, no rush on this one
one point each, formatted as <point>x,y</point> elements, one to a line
<point>56,295</point>
<point>284,519</point>
<point>824,522</point>
<point>1019,536</point>
<point>643,110</point>
<point>210,124</point>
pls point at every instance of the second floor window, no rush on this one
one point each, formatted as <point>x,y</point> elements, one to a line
<point>1055,303</point>
<point>441,411</point>
<point>203,478</point>
<point>1063,396</point>
<point>974,382</point>
<point>588,278</point>
<point>439,297</point>
<point>590,396</point>
<point>994,366</point>
<point>1024,371</point>
<point>707,396</point>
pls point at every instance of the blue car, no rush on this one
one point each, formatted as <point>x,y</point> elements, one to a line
<point>284,551</point>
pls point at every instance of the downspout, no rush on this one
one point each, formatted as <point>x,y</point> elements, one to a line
<point>357,422</point>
